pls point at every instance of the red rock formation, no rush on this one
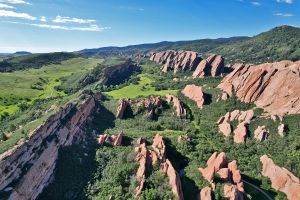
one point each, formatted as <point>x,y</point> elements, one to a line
<point>143,157</point>
<point>231,192</point>
<point>194,93</point>
<point>217,164</point>
<point>177,104</point>
<point>240,134</point>
<point>115,140</point>
<point>281,178</point>
<point>150,104</point>
<point>261,133</point>
<point>205,194</point>
<point>123,103</point>
<point>189,60</point>
<point>214,164</point>
<point>217,65</point>
<point>159,148</point>
<point>275,87</point>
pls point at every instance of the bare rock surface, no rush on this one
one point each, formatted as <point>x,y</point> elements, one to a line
<point>115,140</point>
<point>282,180</point>
<point>261,133</point>
<point>275,87</point>
<point>123,103</point>
<point>194,93</point>
<point>177,104</point>
<point>205,193</point>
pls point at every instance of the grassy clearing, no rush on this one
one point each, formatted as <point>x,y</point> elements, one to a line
<point>28,85</point>
<point>143,88</point>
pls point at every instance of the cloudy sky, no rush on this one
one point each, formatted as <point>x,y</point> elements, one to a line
<point>67,25</point>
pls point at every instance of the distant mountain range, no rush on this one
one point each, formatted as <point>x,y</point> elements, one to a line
<point>276,44</point>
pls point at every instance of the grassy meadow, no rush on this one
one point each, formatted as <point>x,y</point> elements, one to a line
<point>28,85</point>
<point>143,88</point>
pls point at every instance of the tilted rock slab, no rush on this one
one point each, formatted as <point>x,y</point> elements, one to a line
<point>281,178</point>
<point>177,104</point>
<point>115,140</point>
<point>275,87</point>
<point>61,129</point>
<point>189,61</point>
<point>194,93</point>
<point>123,103</point>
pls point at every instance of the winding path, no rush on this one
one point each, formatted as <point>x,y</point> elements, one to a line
<point>260,190</point>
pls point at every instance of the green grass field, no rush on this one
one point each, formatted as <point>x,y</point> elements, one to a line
<point>144,88</point>
<point>17,87</point>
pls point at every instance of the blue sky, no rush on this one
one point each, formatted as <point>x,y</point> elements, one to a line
<point>67,25</point>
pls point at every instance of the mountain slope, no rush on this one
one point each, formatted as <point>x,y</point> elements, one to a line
<point>280,43</point>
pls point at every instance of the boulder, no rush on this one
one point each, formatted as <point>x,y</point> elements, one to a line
<point>123,103</point>
<point>274,87</point>
<point>261,133</point>
<point>240,134</point>
<point>177,104</point>
<point>174,179</point>
<point>281,179</point>
<point>205,194</point>
<point>194,93</point>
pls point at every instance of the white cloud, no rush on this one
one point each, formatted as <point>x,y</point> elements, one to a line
<point>284,14</point>
<point>285,1</point>
<point>14,1</point>
<point>60,19</point>
<point>131,8</point>
<point>5,6</point>
<point>94,28</point>
<point>255,3</point>
<point>7,13</point>
<point>43,19</point>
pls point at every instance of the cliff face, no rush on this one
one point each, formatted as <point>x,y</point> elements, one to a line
<point>28,168</point>
<point>275,87</point>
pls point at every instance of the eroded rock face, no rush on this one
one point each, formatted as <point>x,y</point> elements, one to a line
<point>229,172</point>
<point>275,87</point>
<point>241,132</point>
<point>261,133</point>
<point>205,194</point>
<point>123,103</point>
<point>144,160</point>
<point>194,93</point>
<point>177,104</point>
<point>281,130</point>
<point>174,179</point>
<point>189,61</point>
<point>281,178</point>
<point>115,140</point>
<point>150,104</point>
<point>61,129</point>
<point>159,148</point>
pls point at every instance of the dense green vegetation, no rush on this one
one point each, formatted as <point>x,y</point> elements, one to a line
<point>33,61</point>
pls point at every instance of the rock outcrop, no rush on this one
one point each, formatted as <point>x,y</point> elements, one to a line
<point>61,129</point>
<point>159,149</point>
<point>174,179</point>
<point>195,93</point>
<point>205,194</point>
<point>217,164</point>
<point>261,133</point>
<point>150,104</point>
<point>241,132</point>
<point>177,104</point>
<point>281,130</point>
<point>114,140</point>
<point>123,103</point>
<point>189,61</point>
<point>282,180</point>
<point>275,87</point>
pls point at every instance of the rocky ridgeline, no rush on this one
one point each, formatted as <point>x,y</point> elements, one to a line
<point>156,155</point>
<point>189,61</point>
<point>28,168</point>
<point>195,93</point>
<point>241,132</point>
<point>114,140</point>
<point>281,179</point>
<point>275,87</point>
<point>218,165</point>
